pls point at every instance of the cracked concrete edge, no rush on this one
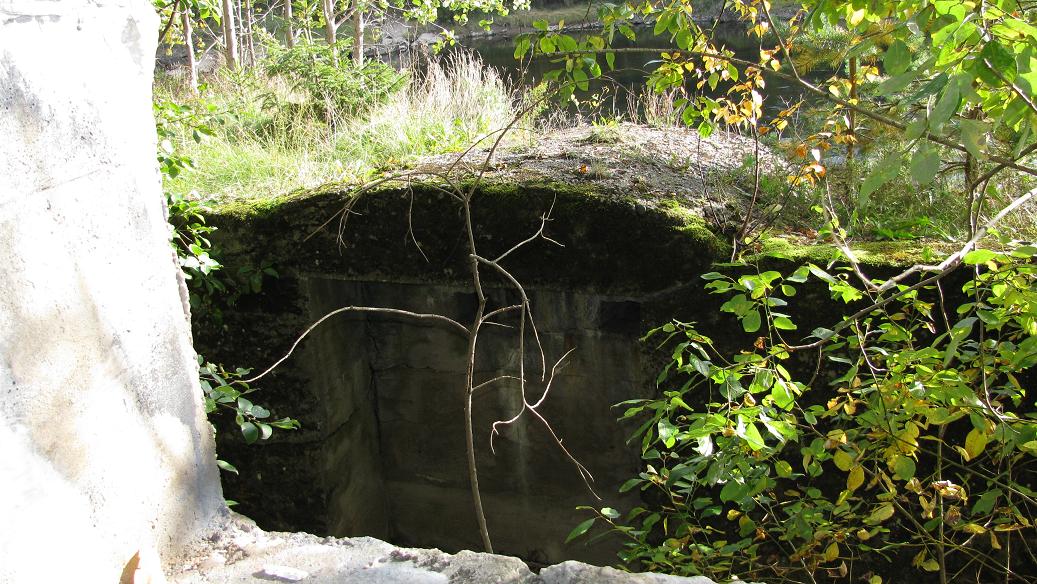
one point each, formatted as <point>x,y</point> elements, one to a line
<point>240,552</point>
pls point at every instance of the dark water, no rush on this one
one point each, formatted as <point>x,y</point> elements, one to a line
<point>632,69</point>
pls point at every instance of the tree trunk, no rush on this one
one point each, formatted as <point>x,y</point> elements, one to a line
<point>358,35</point>
<point>852,117</point>
<point>329,28</point>
<point>192,66</point>
<point>248,46</point>
<point>289,39</point>
<point>230,35</point>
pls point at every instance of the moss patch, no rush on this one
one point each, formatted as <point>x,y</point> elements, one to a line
<point>892,254</point>
<point>616,243</point>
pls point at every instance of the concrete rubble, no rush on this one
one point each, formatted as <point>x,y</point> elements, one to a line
<point>241,553</point>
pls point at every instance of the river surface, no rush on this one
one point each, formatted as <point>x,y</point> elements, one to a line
<point>627,81</point>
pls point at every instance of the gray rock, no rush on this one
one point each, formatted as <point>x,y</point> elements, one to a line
<point>365,560</point>
<point>282,574</point>
<point>580,573</point>
<point>107,457</point>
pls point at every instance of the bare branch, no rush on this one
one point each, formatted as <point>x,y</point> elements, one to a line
<point>942,269</point>
<point>437,318</point>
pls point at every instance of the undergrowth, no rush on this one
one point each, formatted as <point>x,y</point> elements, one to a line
<point>273,134</point>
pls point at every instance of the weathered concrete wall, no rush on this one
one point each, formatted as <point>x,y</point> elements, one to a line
<point>104,445</point>
<point>401,383</point>
<point>382,447</point>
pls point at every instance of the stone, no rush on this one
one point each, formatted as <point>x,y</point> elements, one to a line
<point>365,560</point>
<point>282,574</point>
<point>104,445</point>
<point>579,573</point>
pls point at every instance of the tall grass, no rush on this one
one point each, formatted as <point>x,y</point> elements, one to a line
<point>267,141</point>
<point>446,107</point>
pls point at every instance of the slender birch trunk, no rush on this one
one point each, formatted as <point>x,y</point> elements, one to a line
<point>230,35</point>
<point>358,27</point>
<point>289,40</point>
<point>329,28</point>
<point>192,65</point>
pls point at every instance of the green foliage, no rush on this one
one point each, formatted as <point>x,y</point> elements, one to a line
<point>190,240</point>
<point>226,389</point>
<point>272,139</point>
<point>929,102</point>
<point>187,215</point>
<point>919,453</point>
<point>337,88</point>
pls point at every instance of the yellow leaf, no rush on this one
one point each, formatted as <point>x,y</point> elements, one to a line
<point>964,454</point>
<point>993,541</point>
<point>832,552</point>
<point>973,528</point>
<point>856,17</point>
<point>880,514</point>
<point>923,561</point>
<point>842,460</point>
<point>975,442</point>
<point>875,580</point>
<point>856,478</point>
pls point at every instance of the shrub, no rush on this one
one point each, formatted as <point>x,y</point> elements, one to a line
<point>337,88</point>
<point>919,458</point>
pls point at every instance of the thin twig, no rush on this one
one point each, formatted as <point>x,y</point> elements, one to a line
<point>438,318</point>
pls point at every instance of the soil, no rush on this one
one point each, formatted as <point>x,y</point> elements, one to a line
<point>634,162</point>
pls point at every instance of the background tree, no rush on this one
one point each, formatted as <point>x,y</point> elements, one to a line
<point>230,35</point>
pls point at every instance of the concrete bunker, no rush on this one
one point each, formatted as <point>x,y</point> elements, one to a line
<point>382,449</point>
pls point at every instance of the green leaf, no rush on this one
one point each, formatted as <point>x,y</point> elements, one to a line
<point>751,321</point>
<point>667,433</point>
<point>974,136</point>
<point>522,47</point>
<point>580,529</point>
<point>224,465</point>
<point>925,164</point>
<point>752,437</point>
<point>580,76</point>
<point>782,395</point>
<point>784,323</point>
<point>843,461</point>
<point>897,58</point>
<point>945,107</point>
<point>896,84</point>
<point>997,63</point>
<point>732,491</point>
<point>250,432</point>
<point>979,256</point>
<point>986,501</point>
<point>886,170</point>
<point>904,467</point>
<point>566,43</point>
<point>630,484</point>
